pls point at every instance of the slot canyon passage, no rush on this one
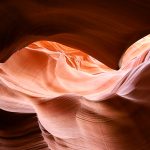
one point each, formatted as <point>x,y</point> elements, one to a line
<point>74,75</point>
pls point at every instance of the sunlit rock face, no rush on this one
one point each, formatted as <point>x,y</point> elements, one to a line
<point>103,29</point>
<point>73,100</point>
<point>68,78</point>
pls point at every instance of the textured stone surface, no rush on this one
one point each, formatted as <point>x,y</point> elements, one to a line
<point>63,98</point>
<point>99,28</point>
<point>79,102</point>
<point>20,132</point>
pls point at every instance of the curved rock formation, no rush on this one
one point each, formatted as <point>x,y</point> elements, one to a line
<point>58,90</point>
<point>20,132</point>
<point>96,27</point>
<point>80,102</point>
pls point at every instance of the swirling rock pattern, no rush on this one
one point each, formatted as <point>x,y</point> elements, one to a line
<point>80,102</point>
<point>55,95</point>
<point>20,132</point>
<point>99,28</point>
